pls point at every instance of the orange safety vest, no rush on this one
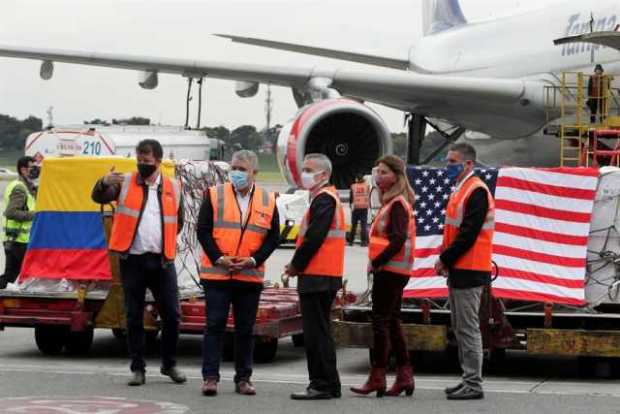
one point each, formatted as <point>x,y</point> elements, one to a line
<point>235,239</point>
<point>402,262</point>
<point>329,259</point>
<point>361,196</point>
<point>129,211</point>
<point>479,256</point>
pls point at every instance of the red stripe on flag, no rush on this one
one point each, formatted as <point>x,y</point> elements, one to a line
<point>539,257</point>
<point>425,272</point>
<point>540,235</point>
<point>424,253</point>
<point>546,189</point>
<point>537,211</point>
<point>535,297</point>
<point>426,293</point>
<point>580,172</point>
<point>72,264</point>
<point>536,277</point>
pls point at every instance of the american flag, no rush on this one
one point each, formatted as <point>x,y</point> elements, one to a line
<point>542,222</point>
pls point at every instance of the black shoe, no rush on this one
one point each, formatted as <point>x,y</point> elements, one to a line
<point>311,394</point>
<point>452,390</point>
<point>3,282</point>
<point>137,378</point>
<point>466,393</point>
<point>174,374</point>
<point>336,393</point>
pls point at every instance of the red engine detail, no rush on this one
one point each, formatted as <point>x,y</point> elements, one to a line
<point>351,134</point>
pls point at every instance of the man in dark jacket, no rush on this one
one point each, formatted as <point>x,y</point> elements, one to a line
<point>19,199</point>
<point>233,248</point>
<point>318,262</point>
<point>466,260</point>
<point>148,261</point>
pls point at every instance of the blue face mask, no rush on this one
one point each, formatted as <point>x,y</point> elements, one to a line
<point>239,179</point>
<point>454,170</point>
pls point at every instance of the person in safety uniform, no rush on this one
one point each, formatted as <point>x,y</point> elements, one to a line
<point>18,201</point>
<point>466,261</point>
<point>390,253</point>
<point>359,203</point>
<point>319,263</point>
<point>238,229</point>
<point>598,91</point>
<point>148,216</point>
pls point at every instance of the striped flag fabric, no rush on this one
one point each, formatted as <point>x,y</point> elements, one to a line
<point>541,231</point>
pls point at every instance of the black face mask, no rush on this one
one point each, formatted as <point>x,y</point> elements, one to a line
<point>34,172</point>
<point>146,170</point>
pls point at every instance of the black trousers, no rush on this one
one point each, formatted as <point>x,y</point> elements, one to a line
<point>244,303</point>
<point>139,272</point>
<point>319,343</point>
<point>361,217</point>
<point>14,257</point>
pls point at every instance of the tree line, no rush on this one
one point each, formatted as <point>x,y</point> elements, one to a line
<point>13,131</point>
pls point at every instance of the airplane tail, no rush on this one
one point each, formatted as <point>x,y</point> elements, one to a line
<point>441,15</point>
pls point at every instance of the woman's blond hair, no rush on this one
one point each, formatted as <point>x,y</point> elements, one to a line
<point>401,186</point>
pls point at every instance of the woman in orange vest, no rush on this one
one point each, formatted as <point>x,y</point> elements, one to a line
<point>391,252</point>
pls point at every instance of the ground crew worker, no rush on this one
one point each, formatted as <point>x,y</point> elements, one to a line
<point>391,252</point>
<point>598,89</point>
<point>19,200</point>
<point>238,229</point>
<point>359,202</point>
<point>147,219</point>
<point>466,260</point>
<point>319,263</point>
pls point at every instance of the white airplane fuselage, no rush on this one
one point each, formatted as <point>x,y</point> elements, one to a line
<point>521,47</point>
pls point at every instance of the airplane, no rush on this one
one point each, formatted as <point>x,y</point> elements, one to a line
<point>487,77</point>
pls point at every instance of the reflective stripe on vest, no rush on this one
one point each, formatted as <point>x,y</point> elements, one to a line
<point>13,230</point>
<point>402,262</point>
<point>329,259</point>
<point>129,209</point>
<point>234,239</point>
<point>478,257</point>
<point>361,196</point>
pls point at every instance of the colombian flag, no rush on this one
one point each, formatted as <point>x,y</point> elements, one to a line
<point>67,240</point>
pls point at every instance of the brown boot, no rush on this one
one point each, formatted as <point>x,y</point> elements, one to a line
<point>375,382</point>
<point>404,382</point>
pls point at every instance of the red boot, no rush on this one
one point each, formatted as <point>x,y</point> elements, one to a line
<point>404,382</point>
<point>375,382</point>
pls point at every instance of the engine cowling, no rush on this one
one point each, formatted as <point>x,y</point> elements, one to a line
<point>351,134</point>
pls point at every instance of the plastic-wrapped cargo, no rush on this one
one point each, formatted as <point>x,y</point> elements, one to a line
<point>603,260</point>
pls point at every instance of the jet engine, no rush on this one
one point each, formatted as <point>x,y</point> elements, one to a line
<point>351,134</point>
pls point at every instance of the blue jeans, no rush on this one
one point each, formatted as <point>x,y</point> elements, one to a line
<point>245,305</point>
<point>139,272</point>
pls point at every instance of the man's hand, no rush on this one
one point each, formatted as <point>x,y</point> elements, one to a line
<point>113,178</point>
<point>240,263</point>
<point>226,262</point>
<point>290,270</point>
<point>440,268</point>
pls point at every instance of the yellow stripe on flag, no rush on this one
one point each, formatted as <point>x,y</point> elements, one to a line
<point>66,183</point>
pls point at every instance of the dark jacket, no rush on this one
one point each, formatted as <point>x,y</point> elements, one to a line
<point>397,235</point>
<point>322,210</point>
<point>204,229</point>
<point>473,219</point>
<point>17,209</point>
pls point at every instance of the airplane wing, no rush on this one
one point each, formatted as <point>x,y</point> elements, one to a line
<point>384,61</point>
<point>609,39</point>
<point>467,101</point>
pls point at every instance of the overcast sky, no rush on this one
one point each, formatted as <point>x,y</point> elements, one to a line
<point>182,29</point>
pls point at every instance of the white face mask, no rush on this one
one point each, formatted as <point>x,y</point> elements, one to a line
<point>308,180</point>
